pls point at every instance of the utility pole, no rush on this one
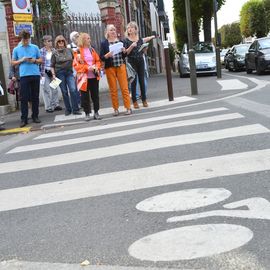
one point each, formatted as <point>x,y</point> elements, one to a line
<point>217,38</point>
<point>191,53</point>
<point>168,70</point>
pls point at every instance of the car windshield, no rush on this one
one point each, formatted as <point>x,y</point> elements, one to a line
<point>242,49</point>
<point>223,52</point>
<point>264,44</point>
<point>202,47</point>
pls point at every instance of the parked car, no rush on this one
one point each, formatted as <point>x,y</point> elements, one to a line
<point>222,55</point>
<point>258,56</point>
<point>225,58</point>
<point>235,59</point>
<point>205,58</point>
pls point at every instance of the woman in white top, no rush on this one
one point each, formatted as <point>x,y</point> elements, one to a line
<point>50,95</point>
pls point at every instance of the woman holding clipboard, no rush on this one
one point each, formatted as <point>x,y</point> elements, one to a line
<point>115,68</point>
<point>134,48</point>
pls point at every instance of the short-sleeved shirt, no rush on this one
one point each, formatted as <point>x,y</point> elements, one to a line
<point>30,51</point>
<point>62,60</point>
<point>134,54</point>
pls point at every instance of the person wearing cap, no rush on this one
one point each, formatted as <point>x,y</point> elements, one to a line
<point>27,56</point>
<point>50,95</point>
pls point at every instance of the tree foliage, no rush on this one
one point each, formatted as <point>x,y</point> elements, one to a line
<point>253,18</point>
<point>230,34</point>
<point>201,13</point>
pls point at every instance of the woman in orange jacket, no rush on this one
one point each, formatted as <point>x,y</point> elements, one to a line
<point>87,65</point>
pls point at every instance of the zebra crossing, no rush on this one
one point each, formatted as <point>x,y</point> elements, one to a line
<point>163,141</point>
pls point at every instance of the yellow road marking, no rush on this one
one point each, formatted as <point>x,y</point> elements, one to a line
<point>15,130</point>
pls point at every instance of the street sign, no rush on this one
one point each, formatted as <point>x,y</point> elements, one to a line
<point>19,26</point>
<point>21,6</point>
<point>23,17</point>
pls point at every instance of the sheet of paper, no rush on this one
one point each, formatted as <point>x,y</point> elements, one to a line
<point>55,83</point>
<point>116,48</point>
<point>42,80</point>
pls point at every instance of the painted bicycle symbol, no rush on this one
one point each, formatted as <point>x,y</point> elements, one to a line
<point>197,241</point>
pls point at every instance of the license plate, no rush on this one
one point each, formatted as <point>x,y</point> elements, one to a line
<point>202,66</point>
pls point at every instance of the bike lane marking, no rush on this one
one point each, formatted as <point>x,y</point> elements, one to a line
<point>190,242</point>
<point>232,84</point>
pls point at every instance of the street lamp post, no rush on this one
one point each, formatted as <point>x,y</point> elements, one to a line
<point>217,38</point>
<point>191,53</point>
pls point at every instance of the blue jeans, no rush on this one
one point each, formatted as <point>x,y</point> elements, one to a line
<point>145,84</point>
<point>68,83</point>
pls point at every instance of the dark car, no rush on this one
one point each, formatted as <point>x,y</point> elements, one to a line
<point>258,56</point>
<point>235,58</point>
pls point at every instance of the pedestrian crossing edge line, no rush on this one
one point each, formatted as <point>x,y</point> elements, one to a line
<point>135,179</point>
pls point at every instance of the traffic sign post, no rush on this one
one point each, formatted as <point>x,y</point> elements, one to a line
<point>21,6</point>
<point>19,26</point>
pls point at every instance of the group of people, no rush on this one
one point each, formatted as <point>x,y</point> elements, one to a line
<point>78,66</point>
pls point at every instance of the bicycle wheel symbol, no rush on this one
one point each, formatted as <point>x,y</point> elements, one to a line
<point>191,242</point>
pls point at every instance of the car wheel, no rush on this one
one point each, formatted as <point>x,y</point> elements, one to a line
<point>231,66</point>
<point>259,71</point>
<point>248,70</point>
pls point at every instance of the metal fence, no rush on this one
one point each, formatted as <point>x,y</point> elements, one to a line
<point>88,23</point>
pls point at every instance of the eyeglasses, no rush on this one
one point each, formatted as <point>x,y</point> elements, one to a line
<point>49,40</point>
<point>60,41</point>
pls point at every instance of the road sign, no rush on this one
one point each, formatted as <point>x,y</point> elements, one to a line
<point>23,17</point>
<point>19,26</point>
<point>21,6</point>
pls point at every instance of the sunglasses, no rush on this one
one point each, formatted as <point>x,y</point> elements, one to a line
<point>60,41</point>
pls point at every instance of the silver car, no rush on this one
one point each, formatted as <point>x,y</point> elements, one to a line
<point>205,58</point>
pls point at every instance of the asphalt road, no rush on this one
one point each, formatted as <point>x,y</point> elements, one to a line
<point>183,185</point>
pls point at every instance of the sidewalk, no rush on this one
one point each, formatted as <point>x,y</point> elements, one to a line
<point>208,88</point>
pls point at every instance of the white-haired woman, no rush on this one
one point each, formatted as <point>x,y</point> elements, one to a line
<point>134,52</point>
<point>115,70</point>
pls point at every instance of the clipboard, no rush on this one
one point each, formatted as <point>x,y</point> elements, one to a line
<point>144,45</point>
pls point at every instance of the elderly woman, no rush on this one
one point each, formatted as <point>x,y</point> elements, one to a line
<point>87,65</point>
<point>115,70</point>
<point>61,67</point>
<point>50,94</point>
<point>134,52</point>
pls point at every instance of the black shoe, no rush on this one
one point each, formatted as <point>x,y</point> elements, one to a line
<point>77,113</point>
<point>23,123</point>
<point>67,113</point>
<point>36,120</point>
<point>2,128</point>
<point>49,110</point>
<point>58,108</point>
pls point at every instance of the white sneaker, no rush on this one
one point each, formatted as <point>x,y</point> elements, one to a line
<point>87,117</point>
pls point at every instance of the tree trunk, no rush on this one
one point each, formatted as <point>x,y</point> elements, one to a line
<point>195,32</point>
<point>207,25</point>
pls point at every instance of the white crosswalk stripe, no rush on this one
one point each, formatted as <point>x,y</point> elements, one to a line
<point>145,135</point>
<point>128,148</point>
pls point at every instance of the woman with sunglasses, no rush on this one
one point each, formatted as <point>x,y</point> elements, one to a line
<point>61,67</point>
